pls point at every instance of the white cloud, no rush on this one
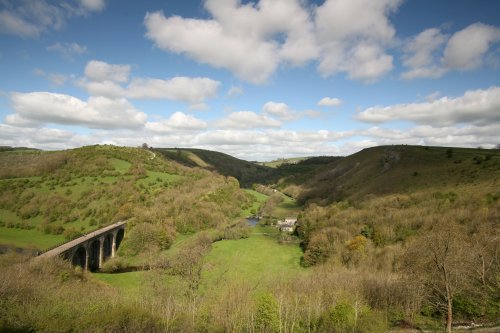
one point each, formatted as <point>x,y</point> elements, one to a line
<point>468,136</point>
<point>177,122</point>
<point>97,112</point>
<point>427,56</point>
<point>247,119</point>
<point>466,48</point>
<point>108,88</point>
<point>432,72</point>
<point>190,90</point>
<point>352,35</point>
<point>68,50</point>
<point>101,72</point>
<point>419,50</point>
<point>199,107</point>
<point>253,39</point>
<point>31,18</point>
<point>109,80</point>
<point>280,111</point>
<point>234,92</point>
<point>420,55</point>
<point>328,101</point>
<point>207,42</point>
<point>475,106</point>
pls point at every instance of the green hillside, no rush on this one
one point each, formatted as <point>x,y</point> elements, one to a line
<point>390,238</point>
<point>246,172</point>
<point>57,196</point>
<point>396,169</point>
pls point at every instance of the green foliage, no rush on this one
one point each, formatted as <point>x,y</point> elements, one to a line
<point>147,235</point>
<point>267,315</point>
<point>342,317</point>
<point>77,191</point>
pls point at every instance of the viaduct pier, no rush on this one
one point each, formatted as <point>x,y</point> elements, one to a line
<point>91,250</point>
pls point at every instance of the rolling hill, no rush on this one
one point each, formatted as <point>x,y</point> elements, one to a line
<point>395,169</point>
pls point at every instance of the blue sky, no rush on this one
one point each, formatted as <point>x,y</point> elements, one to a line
<point>256,79</point>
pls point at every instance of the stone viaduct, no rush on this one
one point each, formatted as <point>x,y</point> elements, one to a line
<point>91,250</point>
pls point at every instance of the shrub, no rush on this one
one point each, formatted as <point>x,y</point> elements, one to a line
<point>114,265</point>
<point>267,314</point>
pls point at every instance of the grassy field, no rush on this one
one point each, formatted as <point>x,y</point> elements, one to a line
<point>287,208</point>
<point>127,283</point>
<point>256,259</point>
<point>28,238</point>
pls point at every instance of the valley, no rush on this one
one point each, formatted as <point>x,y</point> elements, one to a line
<point>375,231</point>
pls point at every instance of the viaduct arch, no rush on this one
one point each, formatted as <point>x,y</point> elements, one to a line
<point>91,250</point>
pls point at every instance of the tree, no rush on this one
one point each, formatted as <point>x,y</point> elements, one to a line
<point>441,261</point>
<point>145,145</point>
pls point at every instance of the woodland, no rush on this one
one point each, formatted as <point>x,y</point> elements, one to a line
<point>392,238</point>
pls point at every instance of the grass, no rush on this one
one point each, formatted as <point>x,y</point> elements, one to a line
<point>259,200</point>
<point>29,238</point>
<point>255,259</point>
<point>127,283</point>
<point>120,165</point>
<point>277,163</point>
<point>154,177</point>
<point>287,208</point>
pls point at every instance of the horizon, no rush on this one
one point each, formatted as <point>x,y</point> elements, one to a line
<point>258,80</point>
<point>277,159</point>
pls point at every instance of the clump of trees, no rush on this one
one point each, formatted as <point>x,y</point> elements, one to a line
<point>443,244</point>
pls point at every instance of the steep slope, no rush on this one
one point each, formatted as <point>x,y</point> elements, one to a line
<point>246,172</point>
<point>47,197</point>
<point>398,169</point>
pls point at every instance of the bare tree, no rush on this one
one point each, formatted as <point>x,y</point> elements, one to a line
<point>441,260</point>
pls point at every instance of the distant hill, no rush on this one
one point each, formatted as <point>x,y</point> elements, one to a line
<point>246,172</point>
<point>395,169</point>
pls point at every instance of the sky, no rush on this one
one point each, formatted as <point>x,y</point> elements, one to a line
<point>259,80</point>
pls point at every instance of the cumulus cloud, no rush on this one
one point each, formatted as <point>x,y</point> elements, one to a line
<point>190,90</point>
<point>478,107</point>
<point>101,71</point>
<point>431,54</point>
<point>328,101</point>
<point>466,48</point>
<point>110,80</point>
<point>68,50</point>
<point>467,136</point>
<point>280,111</point>
<point>247,119</point>
<point>420,54</point>
<point>31,18</point>
<point>356,49</point>
<point>207,42</point>
<point>177,122</point>
<point>234,92</point>
<point>253,39</point>
<point>97,112</point>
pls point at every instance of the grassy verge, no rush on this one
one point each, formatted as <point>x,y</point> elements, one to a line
<point>28,238</point>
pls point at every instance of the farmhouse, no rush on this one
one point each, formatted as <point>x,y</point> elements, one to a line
<point>287,225</point>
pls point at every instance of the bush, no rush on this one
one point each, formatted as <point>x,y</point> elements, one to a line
<point>114,265</point>
<point>267,316</point>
